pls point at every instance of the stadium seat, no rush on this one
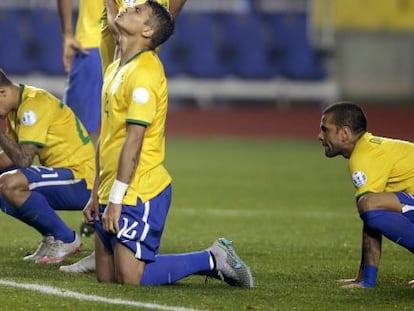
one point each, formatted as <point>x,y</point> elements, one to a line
<point>289,33</point>
<point>16,54</point>
<point>201,39</point>
<point>245,37</point>
<point>48,40</point>
<point>173,54</point>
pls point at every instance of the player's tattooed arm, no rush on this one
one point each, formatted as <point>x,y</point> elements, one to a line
<point>21,155</point>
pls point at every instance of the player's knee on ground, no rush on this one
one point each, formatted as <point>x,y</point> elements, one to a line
<point>125,274</point>
<point>128,279</point>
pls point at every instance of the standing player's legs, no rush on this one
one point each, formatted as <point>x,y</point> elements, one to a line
<point>33,194</point>
<point>84,86</point>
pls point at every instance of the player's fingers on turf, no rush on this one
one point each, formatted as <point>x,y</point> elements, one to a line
<point>345,281</point>
<point>352,285</point>
<point>411,283</point>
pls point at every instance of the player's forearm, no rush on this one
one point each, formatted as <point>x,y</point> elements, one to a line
<point>370,257</point>
<point>65,8</point>
<point>20,155</point>
<point>371,247</point>
<point>130,153</point>
<point>96,180</point>
<point>111,12</point>
<point>176,6</point>
<point>5,162</point>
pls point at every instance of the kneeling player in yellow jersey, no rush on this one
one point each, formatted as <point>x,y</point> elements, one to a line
<point>132,189</point>
<point>107,51</point>
<point>382,171</point>
<point>38,124</point>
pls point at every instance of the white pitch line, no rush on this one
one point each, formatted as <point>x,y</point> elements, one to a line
<point>49,290</point>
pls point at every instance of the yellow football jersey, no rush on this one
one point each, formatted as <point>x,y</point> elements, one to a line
<point>379,164</point>
<point>88,25</point>
<point>107,44</point>
<point>135,92</point>
<point>43,120</point>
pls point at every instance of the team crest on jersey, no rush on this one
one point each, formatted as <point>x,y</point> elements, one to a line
<point>359,179</point>
<point>29,118</point>
<point>140,95</point>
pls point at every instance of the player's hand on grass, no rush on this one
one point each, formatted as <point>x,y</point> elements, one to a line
<point>349,283</point>
<point>354,285</point>
<point>342,282</point>
<point>411,283</point>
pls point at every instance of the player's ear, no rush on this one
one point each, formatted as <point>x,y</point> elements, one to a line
<point>346,133</point>
<point>148,31</point>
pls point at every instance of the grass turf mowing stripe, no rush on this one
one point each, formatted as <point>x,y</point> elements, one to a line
<point>49,290</point>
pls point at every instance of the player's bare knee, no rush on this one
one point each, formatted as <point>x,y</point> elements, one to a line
<point>8,186</point>
<point>366,203</point>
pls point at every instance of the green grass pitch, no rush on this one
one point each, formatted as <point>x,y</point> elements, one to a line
<point>289,210</point>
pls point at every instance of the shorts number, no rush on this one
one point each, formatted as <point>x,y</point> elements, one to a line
<point>50,169</point>
<point>128,231</point>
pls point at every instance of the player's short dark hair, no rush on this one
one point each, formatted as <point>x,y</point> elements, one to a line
<point>4,80</point>
<point>163,23</point>
<point>348,114</point>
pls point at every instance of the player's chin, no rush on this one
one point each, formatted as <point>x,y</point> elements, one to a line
<point>328,152</point>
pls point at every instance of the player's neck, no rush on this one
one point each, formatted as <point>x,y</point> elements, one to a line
<point>130,49</point>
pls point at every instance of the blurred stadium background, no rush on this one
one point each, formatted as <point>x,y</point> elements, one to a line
<point>249,53</point>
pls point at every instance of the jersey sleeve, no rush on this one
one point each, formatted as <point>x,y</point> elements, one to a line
<point>369,171</point>
<point>141,99</point>
<point>34,120</point>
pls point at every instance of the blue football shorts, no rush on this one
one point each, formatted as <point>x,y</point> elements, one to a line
<point>405,198</point>
<point>140,226</point>
<point>59,186</point>
<point>83,90</point>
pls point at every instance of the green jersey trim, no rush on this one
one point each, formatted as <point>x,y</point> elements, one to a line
<point>138,122</point>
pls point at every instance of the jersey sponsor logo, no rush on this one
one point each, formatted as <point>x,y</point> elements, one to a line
<point>29,118</point>
<point>140,95</point>
<point>359,179</point>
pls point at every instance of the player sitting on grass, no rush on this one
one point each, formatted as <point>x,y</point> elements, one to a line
<point>382,171</point>
<point>38,124</point>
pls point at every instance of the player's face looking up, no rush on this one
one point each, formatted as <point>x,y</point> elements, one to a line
<point>133,19</point>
